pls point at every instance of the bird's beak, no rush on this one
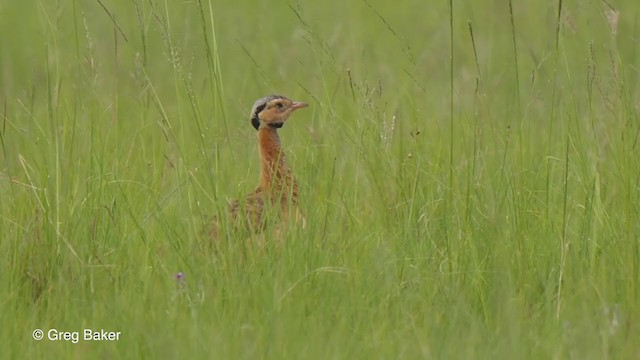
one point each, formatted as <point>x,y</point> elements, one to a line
<point>298,105</point>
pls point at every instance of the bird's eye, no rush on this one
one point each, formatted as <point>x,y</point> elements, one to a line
<point>279,106</point>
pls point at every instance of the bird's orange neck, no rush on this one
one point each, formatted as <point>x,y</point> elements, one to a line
<point>275,175</point>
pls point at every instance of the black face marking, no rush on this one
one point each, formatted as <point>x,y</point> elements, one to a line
<point>259,108</point>
<point>276,125</point>
<point>255,120</point>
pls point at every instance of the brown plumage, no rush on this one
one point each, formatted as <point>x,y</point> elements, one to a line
<point>277,192</point>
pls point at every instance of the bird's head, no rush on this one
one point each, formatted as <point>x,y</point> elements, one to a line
<point>272,111</point>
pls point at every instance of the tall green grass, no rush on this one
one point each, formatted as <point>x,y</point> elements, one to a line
<point>469,170</point>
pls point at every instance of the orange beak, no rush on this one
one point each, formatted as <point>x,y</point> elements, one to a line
<point>298,105</point>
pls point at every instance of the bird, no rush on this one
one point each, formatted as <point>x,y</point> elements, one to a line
<point>277,190</point>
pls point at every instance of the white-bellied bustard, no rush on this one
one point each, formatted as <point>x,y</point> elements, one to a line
<point>277,192</point>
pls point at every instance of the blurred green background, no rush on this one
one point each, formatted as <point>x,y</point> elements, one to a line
<point>469,171</point>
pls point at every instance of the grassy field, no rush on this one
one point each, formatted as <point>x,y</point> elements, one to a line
<point>470,175</point>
